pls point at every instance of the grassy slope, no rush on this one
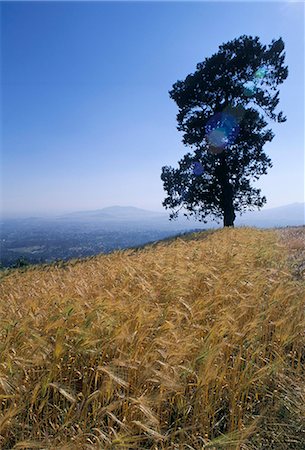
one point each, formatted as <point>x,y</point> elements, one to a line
<point>197,343</point>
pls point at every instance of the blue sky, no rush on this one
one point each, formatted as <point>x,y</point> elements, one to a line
<point>87,121</point>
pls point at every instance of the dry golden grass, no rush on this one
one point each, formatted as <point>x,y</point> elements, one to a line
<point>294,238</point>
<point>183,345</point>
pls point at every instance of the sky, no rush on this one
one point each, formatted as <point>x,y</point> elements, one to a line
<point>86,118</point>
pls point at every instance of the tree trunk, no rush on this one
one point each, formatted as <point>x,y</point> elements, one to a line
<point>228,219</point>
<point>227,194</point>
<point>228,208</point>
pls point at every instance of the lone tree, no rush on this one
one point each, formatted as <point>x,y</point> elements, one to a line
<point>224,107</point>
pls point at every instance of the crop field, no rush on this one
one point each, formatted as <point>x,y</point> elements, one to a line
<point>195,343</point>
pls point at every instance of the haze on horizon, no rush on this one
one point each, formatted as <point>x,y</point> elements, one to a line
<point>87,121</point>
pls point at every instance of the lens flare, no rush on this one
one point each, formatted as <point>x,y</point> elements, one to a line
<point>215,150</point>
<point>222,130</point>
<point>249,88</point>
<point>261,73</point>
<point>217,137</point>
<point>197,169</point>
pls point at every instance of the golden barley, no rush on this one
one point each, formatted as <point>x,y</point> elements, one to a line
<point>193,343</point>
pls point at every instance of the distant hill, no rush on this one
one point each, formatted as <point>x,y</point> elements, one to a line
<point>114,213</point>
<point>287,215</point>
<point>136,218</point>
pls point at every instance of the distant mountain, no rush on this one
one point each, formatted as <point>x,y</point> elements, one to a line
<point>292,214</point>
<point>287,215</point>
<point>116,213</point>
<point>131,211</point>
<point>137,218</point>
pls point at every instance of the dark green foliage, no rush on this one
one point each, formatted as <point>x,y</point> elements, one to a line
<point>220,87</point>
<point>20,262</point>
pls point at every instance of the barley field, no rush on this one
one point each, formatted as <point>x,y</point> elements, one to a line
<point>196,343</point>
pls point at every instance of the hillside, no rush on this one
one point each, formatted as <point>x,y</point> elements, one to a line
<point>194,343</point>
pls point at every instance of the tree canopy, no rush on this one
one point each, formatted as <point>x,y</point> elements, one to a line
<point>223,110</point>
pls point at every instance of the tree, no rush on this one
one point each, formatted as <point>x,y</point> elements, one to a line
<point>224,107</point>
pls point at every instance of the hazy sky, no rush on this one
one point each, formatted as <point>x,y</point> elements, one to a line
<point>87,121</point>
